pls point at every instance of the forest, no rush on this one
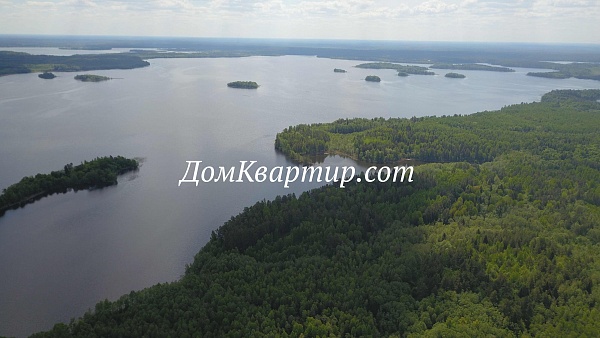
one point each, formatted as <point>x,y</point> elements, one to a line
<point>499,242</point>
<point>18,63</point>
<point>98,173</point>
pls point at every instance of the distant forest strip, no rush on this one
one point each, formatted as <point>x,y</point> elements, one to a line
<point>470,66</point>
<point>507,248</point>
<point>415,70</point>
<point>19,63</point>
<point>557,123</point>
<point>98,173</point>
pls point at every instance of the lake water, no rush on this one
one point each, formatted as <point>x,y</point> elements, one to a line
<point>62,254</point>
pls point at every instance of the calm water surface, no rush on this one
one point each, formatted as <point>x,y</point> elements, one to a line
<point>62,254</point>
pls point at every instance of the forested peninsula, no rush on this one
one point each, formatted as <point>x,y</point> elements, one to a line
<point>18,63</point>
<point>500,242</point>
<point>98,173</point>
<point>475,138</point>
<point>590,71</point>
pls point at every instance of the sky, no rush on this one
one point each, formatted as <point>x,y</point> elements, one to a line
<point>544,21</point>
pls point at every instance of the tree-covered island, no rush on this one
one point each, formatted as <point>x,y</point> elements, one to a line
<point>98,173</point>
<point>47,76</point>
<point>339,70</point>
<point>455,75</point>
<point>91,78</point>
<point>373,78</point>
<point>243,84</point>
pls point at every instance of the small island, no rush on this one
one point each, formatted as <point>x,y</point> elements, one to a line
<point>91,78</point>
<point>455,76</point>
<point>47,76</point>
<point>403,74</point>
<point>98,173</point>
<point>243,84</point>
<point>339,70</point>
<point>373,78</point>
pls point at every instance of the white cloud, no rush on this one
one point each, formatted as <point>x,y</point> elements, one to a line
<point>556,20</point>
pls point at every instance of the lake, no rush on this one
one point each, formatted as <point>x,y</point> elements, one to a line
<point>64,253</point>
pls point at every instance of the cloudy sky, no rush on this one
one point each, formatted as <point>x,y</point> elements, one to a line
<point>433,20</point>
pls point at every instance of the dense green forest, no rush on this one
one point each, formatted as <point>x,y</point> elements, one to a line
<point>16,62</point>
<point>470,66</point>
<point>455,75</point>
<point>91,78</point>
<point>373,78</point>
<point>416,70</point>
<point>98,173</point>
<point>475,138</point>
<point>504,248</point>
<point>243,84</point>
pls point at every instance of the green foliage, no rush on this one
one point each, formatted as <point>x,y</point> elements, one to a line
<point>455,75</point>
<point>16,62</point>
<point>416,70</point>
<point>470,66</point>
<point>373,78</point>
<point>558,96</point>
<point>504,248</point>
<point>91,78</point>
<point>243,84</point>
<point>98,173</point>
